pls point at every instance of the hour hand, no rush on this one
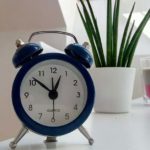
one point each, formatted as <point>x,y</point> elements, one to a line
<point>41,84</point>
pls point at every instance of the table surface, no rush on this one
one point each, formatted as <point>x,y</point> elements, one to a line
<point>110,131</point>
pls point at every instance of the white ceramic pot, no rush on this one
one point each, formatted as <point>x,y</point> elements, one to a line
<point>114,88</point>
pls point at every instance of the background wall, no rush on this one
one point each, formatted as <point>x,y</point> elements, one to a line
<point>18,19</point>
<point>69,11</point>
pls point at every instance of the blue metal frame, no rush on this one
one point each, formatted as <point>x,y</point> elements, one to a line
<point>41,129</point>
<point>80,53</point>
<point>24,53</point>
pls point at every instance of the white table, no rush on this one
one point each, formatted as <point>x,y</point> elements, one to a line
<point>110,132</point>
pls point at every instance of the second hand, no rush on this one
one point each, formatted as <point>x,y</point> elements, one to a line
<point>53,118</point>
<point>54,94</point>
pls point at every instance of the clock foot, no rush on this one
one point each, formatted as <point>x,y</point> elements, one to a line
<point>86,134</point>
<point>20,135</point>
<point>12,145</point>
<point>50,139</point>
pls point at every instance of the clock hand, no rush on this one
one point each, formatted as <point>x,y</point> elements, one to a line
<point>53,118</point>
<point>41,84</point>
<point>53,94</point>
<point>52,83</point>
<point>57,83</point>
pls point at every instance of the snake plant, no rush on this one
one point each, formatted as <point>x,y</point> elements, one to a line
<point>115,56</point>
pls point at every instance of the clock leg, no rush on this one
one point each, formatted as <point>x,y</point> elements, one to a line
<point>20,135</point>
<point>50,139</point>
<point>86,134</point>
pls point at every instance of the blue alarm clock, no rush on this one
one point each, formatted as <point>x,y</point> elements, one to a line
<point>53,93</point>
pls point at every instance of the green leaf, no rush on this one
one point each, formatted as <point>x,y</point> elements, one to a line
<point>134,41</point>
<point>128,64</point>
<point>109,33</point>
<point>97,34</point>
<point>120,57</point>
<point>128,43</point>
<point>90,30</point>
<point>90,23</point>
<point>115,30</point>
<point>128,38</point>
<point>96,59</point>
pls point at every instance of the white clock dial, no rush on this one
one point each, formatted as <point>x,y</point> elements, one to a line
<point>49,106</point>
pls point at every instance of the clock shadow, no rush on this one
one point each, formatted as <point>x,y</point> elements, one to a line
<point>54,146</point>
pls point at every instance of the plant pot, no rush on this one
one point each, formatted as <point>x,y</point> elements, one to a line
<point>114,88</point>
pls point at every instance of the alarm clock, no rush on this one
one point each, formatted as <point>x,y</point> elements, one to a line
<point>53,93</point>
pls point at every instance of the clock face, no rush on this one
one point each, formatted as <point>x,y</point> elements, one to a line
<point>53,93</point>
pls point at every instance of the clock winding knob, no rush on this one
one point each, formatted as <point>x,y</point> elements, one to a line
<point>19,43</point>
<point>86,45</point>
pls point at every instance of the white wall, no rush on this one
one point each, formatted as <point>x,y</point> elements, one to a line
<point>69,11</point>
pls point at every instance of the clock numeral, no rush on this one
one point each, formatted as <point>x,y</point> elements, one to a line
<point>76,107</point>
<point>41,73</point>
<point>40,115</point>
<point>78,94</point>
<point>67,116</point>
<point>32,82</point>
<point>30,108</point>
<point>26,94</point>
<point>75,82</point>
<point>53,120</point>
<point>53,70</point>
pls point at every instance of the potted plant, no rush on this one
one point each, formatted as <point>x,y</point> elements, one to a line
<point>113,75</point>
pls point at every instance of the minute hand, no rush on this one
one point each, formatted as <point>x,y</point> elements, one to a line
<point>57,83</point>
<point>41,84</point>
